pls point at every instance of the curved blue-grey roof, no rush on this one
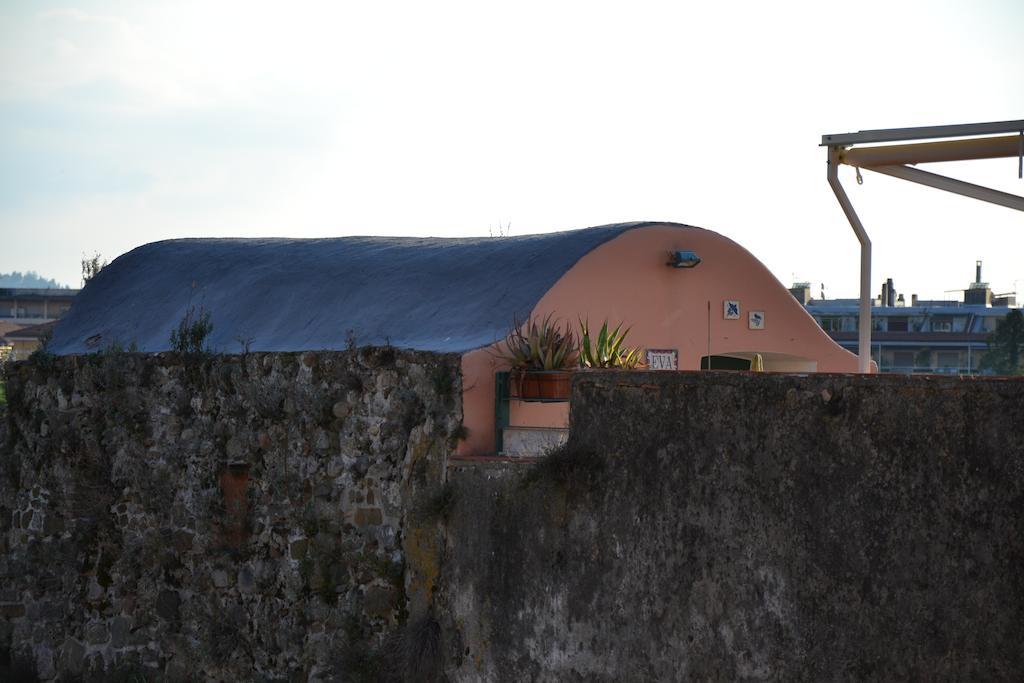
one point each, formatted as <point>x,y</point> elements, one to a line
<point>433,294</point>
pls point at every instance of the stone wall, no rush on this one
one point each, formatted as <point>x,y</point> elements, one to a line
<point>287,517</point>
<point>718,526</point>
<point>222,518</point>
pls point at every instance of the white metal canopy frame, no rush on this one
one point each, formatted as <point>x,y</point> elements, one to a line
<point>994,140</point>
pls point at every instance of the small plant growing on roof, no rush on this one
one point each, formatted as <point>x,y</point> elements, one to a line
<point>193,330</point>
<point>608,349</point>
<point>541,344</point>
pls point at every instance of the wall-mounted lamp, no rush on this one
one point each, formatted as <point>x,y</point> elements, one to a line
<point>683,259</point>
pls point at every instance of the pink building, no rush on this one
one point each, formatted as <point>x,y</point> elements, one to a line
<point>688,293</point>
<point>728,306</point>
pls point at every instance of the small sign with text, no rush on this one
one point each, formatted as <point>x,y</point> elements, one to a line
<point>662,359</point>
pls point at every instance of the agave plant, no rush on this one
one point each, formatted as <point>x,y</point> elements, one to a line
<point>541,345</point>
<point>608,350</point>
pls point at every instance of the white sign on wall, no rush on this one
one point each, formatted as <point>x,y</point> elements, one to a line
<point>662,359</point>
<point>756,320</point>
<point>731,310</point>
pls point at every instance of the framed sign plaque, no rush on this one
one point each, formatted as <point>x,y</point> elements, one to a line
<point>662,359</point>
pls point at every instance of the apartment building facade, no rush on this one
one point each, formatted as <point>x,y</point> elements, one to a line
<point>26,314</point>
<point>919,336</point>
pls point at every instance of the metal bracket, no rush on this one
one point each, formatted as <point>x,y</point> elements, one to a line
<point>941,182</point>
<point>890,160</point>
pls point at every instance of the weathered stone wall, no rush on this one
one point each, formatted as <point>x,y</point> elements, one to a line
<point>226,518</point>
<point>722,526</point>
<point>286,517</point>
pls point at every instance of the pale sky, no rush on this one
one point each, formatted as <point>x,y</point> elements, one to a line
<point>122,123</point>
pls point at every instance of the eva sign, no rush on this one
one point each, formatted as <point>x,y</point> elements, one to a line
<point>731,310</point>
<point>756,320</point>
<point>662,359</point>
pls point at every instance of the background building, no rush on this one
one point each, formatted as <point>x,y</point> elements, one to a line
<point>919,336</point>
<point>24,307</point>
<point>27,315</point>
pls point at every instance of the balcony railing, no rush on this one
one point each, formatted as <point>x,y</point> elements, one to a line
<point>927,370</point>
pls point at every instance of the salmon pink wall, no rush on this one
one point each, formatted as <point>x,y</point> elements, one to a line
<point>627,280</point>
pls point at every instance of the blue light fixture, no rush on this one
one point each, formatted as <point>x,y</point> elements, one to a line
<point>683,259</point>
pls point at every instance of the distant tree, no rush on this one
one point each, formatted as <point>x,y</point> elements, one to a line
<point>91,267</point>
<point>30,279</point>
<point>1005,354</point>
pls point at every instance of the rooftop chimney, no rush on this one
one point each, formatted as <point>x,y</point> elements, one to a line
<point>978,293</point>
<point>801,291</point>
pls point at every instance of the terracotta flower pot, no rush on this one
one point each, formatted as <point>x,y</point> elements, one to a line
<point>546,385</point>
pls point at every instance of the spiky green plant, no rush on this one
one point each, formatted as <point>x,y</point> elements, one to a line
<point>608,349</point>
<point>541,345</point>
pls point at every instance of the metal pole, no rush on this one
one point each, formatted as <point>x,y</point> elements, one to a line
<point>864,331</point>
<point>709,334</point>
<point>941,182</point>
<point>930,152</point>
<point>922,133</point>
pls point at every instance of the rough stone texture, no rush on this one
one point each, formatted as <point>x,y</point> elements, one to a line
<point>741,526</point>
<point>284,517</point>
<point>224,518</point>
<point>531,441</point>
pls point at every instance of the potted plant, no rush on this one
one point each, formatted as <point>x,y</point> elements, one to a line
<point>541,354</point>
<point>608,349</point>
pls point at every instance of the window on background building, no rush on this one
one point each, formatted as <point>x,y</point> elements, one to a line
<point>942,325</point>
<point>832,323</point>
<point>877,324</point>
<point>903,359</point>
<point>898,324</point>
<point>947,359</point>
